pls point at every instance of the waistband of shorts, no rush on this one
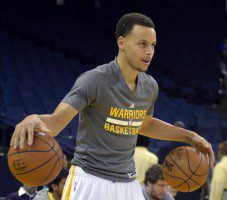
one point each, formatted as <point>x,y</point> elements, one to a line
<point>78,171</point>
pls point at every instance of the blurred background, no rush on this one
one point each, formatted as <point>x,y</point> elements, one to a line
<point>46,44</point>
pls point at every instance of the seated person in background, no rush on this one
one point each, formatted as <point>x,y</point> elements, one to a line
<point>218,187</point>
<point>223,68</point>
<point>24,193</point>
<point>155,187</point>
<point>54,189</point>
<point>143,158</point>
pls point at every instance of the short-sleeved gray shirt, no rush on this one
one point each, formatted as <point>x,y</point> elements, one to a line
<point>109,120</point>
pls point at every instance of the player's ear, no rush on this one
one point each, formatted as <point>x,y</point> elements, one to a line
<point>121,43</point>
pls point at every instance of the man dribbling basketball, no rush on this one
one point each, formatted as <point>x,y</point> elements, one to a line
<point>115,102</point>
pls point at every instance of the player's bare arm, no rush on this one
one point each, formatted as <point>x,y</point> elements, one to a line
<point>155,128</point>
<point>51,124</point>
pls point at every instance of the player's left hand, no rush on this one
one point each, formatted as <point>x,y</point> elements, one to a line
<point>203,146</point>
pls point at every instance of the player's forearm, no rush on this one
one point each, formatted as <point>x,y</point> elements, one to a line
<point>164,131</point>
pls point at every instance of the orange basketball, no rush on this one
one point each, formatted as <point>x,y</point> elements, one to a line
<point>185,169</point>
<point>37,164</point>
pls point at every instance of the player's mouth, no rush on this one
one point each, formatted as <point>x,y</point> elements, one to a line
<point>146,61</point>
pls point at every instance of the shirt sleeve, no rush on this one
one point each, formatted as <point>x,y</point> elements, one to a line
<point>83,92</point>
<point>155,96</point>
<point>217,184</point>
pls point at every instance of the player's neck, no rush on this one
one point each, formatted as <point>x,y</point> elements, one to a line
<point>128,72</point>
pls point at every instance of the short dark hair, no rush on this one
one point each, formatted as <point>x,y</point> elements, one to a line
<point>126,23</point>
<point>63,174</point>
<point>153,174</point>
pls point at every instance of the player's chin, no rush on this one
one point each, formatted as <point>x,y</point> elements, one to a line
<point>142,69</point>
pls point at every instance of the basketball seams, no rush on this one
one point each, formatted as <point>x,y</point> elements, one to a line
<point>31,151</point>
<point>201,158</point>
<point>51,169</point>
<point>183,171</point>
<point>38,166</point>
<point>177,165</point>
<point>204,173</point>
<point>36,136</point>
<point>56,153</point>
<point>200,162</point>
<point>52,147</point>
<point>180,179</point>
<point>188,159</point>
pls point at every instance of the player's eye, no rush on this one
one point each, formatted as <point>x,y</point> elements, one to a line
<point>143,44</point>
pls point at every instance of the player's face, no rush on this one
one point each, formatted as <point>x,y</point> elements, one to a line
<point>139,47</point>
<point>159,189</point>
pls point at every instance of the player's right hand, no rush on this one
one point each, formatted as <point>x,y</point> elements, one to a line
<point>24,131</point>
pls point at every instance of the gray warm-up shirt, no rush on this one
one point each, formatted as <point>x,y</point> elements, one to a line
<point>109,120</point>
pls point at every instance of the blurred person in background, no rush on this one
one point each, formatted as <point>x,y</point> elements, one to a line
<point>24,193</point>
<point>223,78</point>
<point>155,187</point>
<point>143,158</point>
<point>223,67</point>
<point>54,189</point>
<point>218,187</point>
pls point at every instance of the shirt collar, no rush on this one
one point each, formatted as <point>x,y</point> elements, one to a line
<point>117,69</point>
<point>22,192</point>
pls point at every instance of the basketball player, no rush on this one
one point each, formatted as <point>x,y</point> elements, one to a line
<point>115,102</point>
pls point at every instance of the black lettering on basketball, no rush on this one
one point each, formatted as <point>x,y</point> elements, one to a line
<point>19,165</point>
<point>179,154</point>
<point>168,165</point>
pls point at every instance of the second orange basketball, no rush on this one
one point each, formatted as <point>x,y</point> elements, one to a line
<point>185,169</point>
